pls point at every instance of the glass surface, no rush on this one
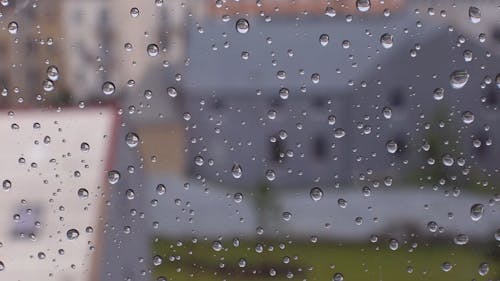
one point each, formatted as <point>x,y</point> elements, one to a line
<point>249,140</point>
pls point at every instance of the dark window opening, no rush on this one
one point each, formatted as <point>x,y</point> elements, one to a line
<point>320,148</point>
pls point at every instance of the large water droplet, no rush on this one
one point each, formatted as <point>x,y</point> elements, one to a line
<point>363,5</point>
<point>387,40</point>
<point>242,26</point>
<point>476,212</point>
<point>72,234</point>
<point>474,14</point>
<point>459,78</point>
<point>108,88</point>
<point>236,171</point>
<point>316,194</point>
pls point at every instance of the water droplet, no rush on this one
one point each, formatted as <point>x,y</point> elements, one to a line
<point>330,11</point>
<point>459,78</point>
<point>2,266</point>
<point>242,26</point>
<point>84,147</point>
<point>342,203</point>
<point>468,117</point>
<point>113,177</point>
<point>339,133</point>
<point>446,266</point>
<point>172,92</point>
<point>13,27</point>
<point>363,5</point>
<point>387,112</point>
<point>83,193</point>
<point>393,244</point>
<point>338,277</point>
<point>242,262</point>
<point>161,189</point>
<point>284,93</point>
<point>130,194</point>
<point>236,171</point>
<point>497,81</point>
<point>270,175</point>
<point>108,88</point>
<point>134,12</point>
<point>132,139</point>
<point>387,40</point>
<point>432,226</point>
<point>198,160</point>
<point>48,85</point>
<point>157,260</point>
<point>476,212</point>
<point>497,234</point>
<point>468,55</point>
<point>238,197</point>
<point>287,216</point>
<point>332,120</point>
<point>316,194</point>
<point>438,94</point>
<point>315,78</point>
<point>391,146</point>
<point>72,234</point>
<point>483,269</point>
<point>153,50</point>
<point>447,160</point>
<point>53,73</point>
<point>217,246</point>
<point>324,39</point>
<point>461,239</point>
<point>7,185</point>
<point>474,14</point>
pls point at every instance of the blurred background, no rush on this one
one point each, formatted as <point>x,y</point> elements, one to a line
<point>249,140</point>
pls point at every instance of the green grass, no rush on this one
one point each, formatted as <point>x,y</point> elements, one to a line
<point>320,261</point>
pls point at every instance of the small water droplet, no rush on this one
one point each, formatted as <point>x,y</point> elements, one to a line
<point>236,171</point>
<point>438,94</point>
<point>468,117</point>
<point>324,39</point>
<point>198,160</point>
<point>242,26</point>
<point>387,40</point>
<point>270,175</point>
<point>72,234</point>
<point>461,239</point>
<point>338,277</point>
<point>217,246</point>
<point>7,185</point>
<point>153,50</point>
<point>157,260</point>
<point>316,194</point>
<point>476,212</point>
<point>131,139</point>
<point>83,193</point>
<point>391,146</point>
<point>238,197</point>
<point>134,12</point>
<point>172,92</point>
<point>84,147</point>
<point>483,269</point>
<point>113,176</point>
<point>474,14</point>
<point>108,88</point>
<point>393,244</point>
<point>458,79</point>
<point>446,266</point>
<point>447,160</point>
<point>363,5</point>
<point>13,27</point>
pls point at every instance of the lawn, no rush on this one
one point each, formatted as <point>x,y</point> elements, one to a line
<point>320,261</point>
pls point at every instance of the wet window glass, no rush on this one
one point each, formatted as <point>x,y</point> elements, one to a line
<point>170,140</point>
